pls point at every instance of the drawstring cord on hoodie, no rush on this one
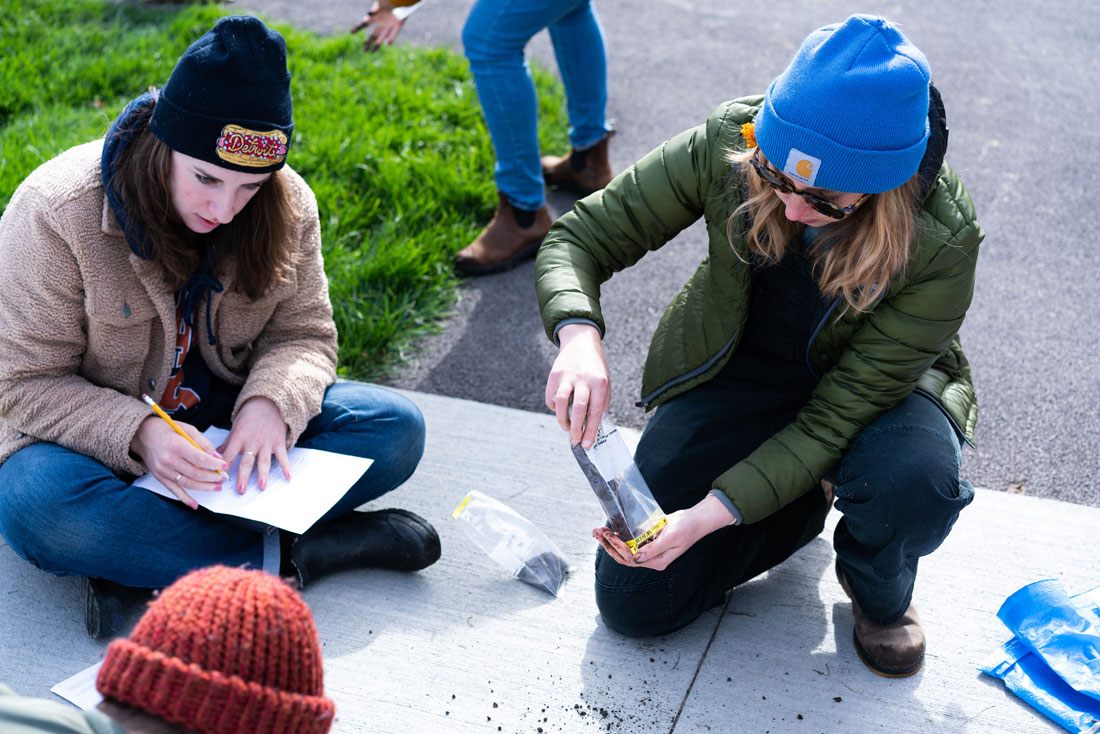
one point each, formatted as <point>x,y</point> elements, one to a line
<point>190,296</point>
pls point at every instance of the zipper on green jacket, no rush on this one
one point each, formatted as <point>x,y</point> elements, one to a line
<point>820,325</point>
<point>647,399</point>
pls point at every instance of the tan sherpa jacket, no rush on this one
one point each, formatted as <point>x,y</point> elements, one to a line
<point>86,326</point>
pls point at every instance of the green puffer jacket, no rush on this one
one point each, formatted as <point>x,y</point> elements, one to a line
<point>868,362</point>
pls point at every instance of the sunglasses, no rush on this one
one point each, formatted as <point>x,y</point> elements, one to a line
<point>784,185</point>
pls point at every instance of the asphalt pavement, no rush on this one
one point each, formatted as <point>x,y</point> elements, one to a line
<point>1019,80</point>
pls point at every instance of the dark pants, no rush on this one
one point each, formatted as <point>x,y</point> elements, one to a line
<point>897,484</point>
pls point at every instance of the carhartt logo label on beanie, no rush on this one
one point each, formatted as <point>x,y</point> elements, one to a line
<point>228,99</point>
<point>850,112</point>
<point>246,147</point>
<point>802,167</point>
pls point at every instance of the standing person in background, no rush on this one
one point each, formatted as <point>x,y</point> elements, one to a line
<point>220,651</point>
<point>815,348</point>
<point>181,257</point>
<point>494,37</point>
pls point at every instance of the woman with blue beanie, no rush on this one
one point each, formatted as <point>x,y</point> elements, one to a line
<point>813,355</point>
<point>181,257</point>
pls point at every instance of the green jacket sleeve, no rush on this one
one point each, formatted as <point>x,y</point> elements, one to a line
<point>19,715</point>
<point>640,210</point>
<point>904,335</point>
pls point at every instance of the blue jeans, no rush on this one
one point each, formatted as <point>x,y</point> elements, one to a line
<point>70,515</point>
<point>897,485</point>
<point>494,37</point>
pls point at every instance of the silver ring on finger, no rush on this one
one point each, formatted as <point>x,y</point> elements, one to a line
<point>250,453</point>
<point>177,479</point>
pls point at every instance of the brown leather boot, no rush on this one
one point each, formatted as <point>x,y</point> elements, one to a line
<point>891,650</point>
<point>505,243</point>
<point>583,171</point>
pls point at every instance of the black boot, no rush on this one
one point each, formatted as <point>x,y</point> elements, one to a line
<point>105,604</point>
<point>394,539</point>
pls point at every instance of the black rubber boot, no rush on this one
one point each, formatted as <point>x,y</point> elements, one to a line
<point>105,604</point>
<point>398,540</point>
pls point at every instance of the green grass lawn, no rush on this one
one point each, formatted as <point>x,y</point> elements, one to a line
<point>393,144</point>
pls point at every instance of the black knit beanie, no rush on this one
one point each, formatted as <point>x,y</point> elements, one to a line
<point>228,99</point>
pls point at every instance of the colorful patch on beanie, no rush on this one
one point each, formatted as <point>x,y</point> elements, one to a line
<point>802,167</point>
<point>246,147</point>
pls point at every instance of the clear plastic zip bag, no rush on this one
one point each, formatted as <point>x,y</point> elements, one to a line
<point>627,501</point>
<point>513,541</point>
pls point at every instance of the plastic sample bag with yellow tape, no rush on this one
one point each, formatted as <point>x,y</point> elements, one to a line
<point>513,541</point>
<point>631,511</point>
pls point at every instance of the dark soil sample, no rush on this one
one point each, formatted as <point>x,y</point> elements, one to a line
<point>545,571</point>
<point>608,497</point>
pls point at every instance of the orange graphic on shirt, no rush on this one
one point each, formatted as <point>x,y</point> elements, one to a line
<point>176,397</point>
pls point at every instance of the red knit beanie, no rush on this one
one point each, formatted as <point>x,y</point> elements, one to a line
<point>222,651</point>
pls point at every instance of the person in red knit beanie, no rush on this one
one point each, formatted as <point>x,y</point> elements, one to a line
<point>221,651</point>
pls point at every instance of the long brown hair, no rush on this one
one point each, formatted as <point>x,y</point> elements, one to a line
<point>855,257</point>
<point>259,236</point>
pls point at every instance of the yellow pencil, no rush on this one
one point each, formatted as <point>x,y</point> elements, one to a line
<point>175,426</point>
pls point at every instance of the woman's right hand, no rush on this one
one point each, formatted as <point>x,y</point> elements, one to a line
<point>168,456</point>
<point>578,390</point>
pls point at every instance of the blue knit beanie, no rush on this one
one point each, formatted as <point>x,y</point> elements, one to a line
<point>850,112</point>
<point>227,101</point>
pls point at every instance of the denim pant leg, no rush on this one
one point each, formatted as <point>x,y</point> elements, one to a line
<point>688,442</point>
<point>69,514</point>
<point>369,421</point>
<point>582,60</point>
<point>494,37</point>
<point>898,486</point>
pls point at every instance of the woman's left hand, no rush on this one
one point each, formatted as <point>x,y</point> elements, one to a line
<point>684,528</point>
<point>386,26</point>
<point>258,433</point>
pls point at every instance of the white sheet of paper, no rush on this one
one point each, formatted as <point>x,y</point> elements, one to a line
<point>318,480</point>
<point>80,688</point>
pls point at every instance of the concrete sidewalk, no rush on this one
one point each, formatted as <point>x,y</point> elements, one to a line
<point>461,647</point>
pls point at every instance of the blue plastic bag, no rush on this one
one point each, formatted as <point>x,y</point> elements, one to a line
<point>1053,660</point>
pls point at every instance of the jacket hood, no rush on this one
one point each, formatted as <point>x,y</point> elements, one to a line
<point>122,131</point>
<point>937,143</point>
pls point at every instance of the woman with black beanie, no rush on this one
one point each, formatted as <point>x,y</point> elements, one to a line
<point>181,257</point>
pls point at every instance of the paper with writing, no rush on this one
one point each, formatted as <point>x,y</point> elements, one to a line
<point>318,480</point>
